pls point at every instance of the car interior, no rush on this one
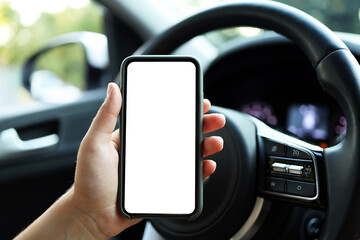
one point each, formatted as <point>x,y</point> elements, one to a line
<point>290,165</point>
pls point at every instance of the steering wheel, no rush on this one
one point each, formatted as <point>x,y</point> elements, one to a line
<point>259,164</point>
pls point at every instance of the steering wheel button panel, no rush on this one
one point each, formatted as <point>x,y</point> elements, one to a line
<point>275,184</point>
<point>289,173</point>
<point>300,188</point>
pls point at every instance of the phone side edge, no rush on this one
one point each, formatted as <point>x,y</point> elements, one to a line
<point>122,127</point>
<point>199,140</point>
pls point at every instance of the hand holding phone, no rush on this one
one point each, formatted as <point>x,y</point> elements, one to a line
<point>161,133</point>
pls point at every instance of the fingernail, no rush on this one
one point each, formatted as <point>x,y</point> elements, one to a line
<point>108,90</point>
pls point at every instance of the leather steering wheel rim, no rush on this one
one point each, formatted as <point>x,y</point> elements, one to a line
<point>338,73</point>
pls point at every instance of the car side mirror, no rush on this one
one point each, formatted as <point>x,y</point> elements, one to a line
<point>68,64</point>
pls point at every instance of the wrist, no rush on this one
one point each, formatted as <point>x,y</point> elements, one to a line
<point>62,221</point>
<point>81,223</point>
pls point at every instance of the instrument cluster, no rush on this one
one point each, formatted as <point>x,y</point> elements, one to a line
<point>311,122</point>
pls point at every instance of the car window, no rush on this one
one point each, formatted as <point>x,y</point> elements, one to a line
<point>27,26</point>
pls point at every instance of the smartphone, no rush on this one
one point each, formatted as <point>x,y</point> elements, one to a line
<point>160,170</point>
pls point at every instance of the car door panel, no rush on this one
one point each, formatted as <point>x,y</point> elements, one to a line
<point>33,180</point>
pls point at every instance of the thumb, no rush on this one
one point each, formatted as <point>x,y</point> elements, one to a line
<point>105,120</point>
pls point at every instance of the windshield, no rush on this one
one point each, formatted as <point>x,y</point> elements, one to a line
<point>338,15</point>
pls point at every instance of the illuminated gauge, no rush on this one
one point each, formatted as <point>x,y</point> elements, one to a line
<point>261,111</point>
<point>340,129</point>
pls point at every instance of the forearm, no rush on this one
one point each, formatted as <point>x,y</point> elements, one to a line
<point>62,221</point>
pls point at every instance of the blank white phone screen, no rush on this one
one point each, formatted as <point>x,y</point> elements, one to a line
<point>160,148</point>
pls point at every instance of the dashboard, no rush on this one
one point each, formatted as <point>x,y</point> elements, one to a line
<point>270,78</point>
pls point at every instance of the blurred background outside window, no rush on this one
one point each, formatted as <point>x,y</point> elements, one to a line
<point>26,26</point>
